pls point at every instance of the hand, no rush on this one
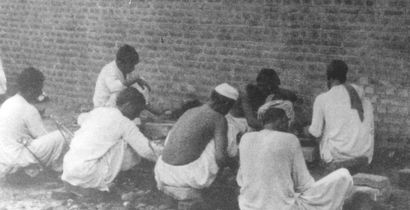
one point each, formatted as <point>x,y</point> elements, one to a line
<point>142,83</point>
<point>306,131</point>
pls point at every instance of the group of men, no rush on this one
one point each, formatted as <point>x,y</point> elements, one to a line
<point>251,126</point>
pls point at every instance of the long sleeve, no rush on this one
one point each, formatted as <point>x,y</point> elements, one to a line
<point>300,174</point>
<point>113,82</point>
<point>138,142</point>
<point>317,118</point>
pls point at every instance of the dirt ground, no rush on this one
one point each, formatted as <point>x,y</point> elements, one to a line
<point>23,193</point>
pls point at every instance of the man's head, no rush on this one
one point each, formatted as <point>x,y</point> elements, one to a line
<point>130,102</point>
<point>30,83</point>
<point>277,113</point>
<point>267,80</point>
<point>336,72</point>
<point>126,59</point>
<point>223,97</point>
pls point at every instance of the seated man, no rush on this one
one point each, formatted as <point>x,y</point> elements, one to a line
<point>195,148</point>
<point>273,172</point>
<point>20,121</point>
<point>106,143</point>
<point>242,117</point>
<point>344,119</point>
<point>118,75</point>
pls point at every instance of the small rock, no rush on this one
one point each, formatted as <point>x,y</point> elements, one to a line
<point>371,180</point>
<point>404,178</point>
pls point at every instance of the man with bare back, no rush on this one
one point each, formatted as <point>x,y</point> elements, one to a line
<point>195,148</point>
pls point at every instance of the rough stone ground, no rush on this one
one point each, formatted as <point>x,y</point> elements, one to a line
<point>36,194</point>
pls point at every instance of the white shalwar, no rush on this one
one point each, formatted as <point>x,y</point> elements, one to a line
<point>273,175</point>
<point>110,83</point>
<point>3,81</point>
<point>21,120</point>
<point>106,143</point>
<point>344,135</point>
<point>198,174</point>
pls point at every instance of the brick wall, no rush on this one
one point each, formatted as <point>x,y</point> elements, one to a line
<point>205,42</point>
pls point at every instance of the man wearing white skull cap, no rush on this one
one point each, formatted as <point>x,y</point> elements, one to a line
<point>195,148</point>
<point>273,172</point>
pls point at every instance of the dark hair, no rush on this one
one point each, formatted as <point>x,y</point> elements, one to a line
<point>131,95</point>
<point>337,69</point>
<point>272,114</point>
<point>30,78</point>
<point>220,99</point>
<point>127,54</point>
<point>268,76</point>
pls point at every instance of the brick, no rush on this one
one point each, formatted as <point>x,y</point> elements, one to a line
<point>404,178</point>
<point>374,194</point>
<point>296,37</point>
<point>371,180</point>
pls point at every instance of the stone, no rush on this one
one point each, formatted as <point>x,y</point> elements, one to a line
<point>376,182</point>
<point>371,180</point>
<point>377,195</point>
<point>404,178</point>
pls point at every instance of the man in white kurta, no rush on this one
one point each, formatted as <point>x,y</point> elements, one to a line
<point>21,120</point>
<point>344,134</point>
<point>107,142</point>
<point>273,172</point>
<point>112,78</point>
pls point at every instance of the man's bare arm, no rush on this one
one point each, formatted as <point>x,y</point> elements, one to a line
<point>221,141</point>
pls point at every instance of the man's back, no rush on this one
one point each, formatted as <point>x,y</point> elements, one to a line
<point>272,168</point>
<point>344,135</point>
<point>190,135</point>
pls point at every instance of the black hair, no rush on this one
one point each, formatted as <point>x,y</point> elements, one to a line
<point>131,95</point>
<point>220,99</point>
<point>337,69</point>
<point>272,114</point>
<point>30,78</point>
<point>127,54</point>
<point>268,76</point>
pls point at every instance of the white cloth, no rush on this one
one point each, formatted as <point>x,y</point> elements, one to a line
<point>98,150</point>
<point>3,81</point>
<point>198,174</point>
<point>273,175</point>
<point>236,128</point>
<point>228,91</point>
<point>344,135</point>
<point>110,83</point>
<point>21,120</point>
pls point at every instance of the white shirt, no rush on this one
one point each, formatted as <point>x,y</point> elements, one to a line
<point>3,81</point>
<point>272,170</point>
<point>344,136</point>
<point>110,83</point>
<point>18,119</point>
<point>101,129</point>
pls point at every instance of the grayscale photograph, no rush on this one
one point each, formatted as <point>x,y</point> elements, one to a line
<point>204,104</point>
